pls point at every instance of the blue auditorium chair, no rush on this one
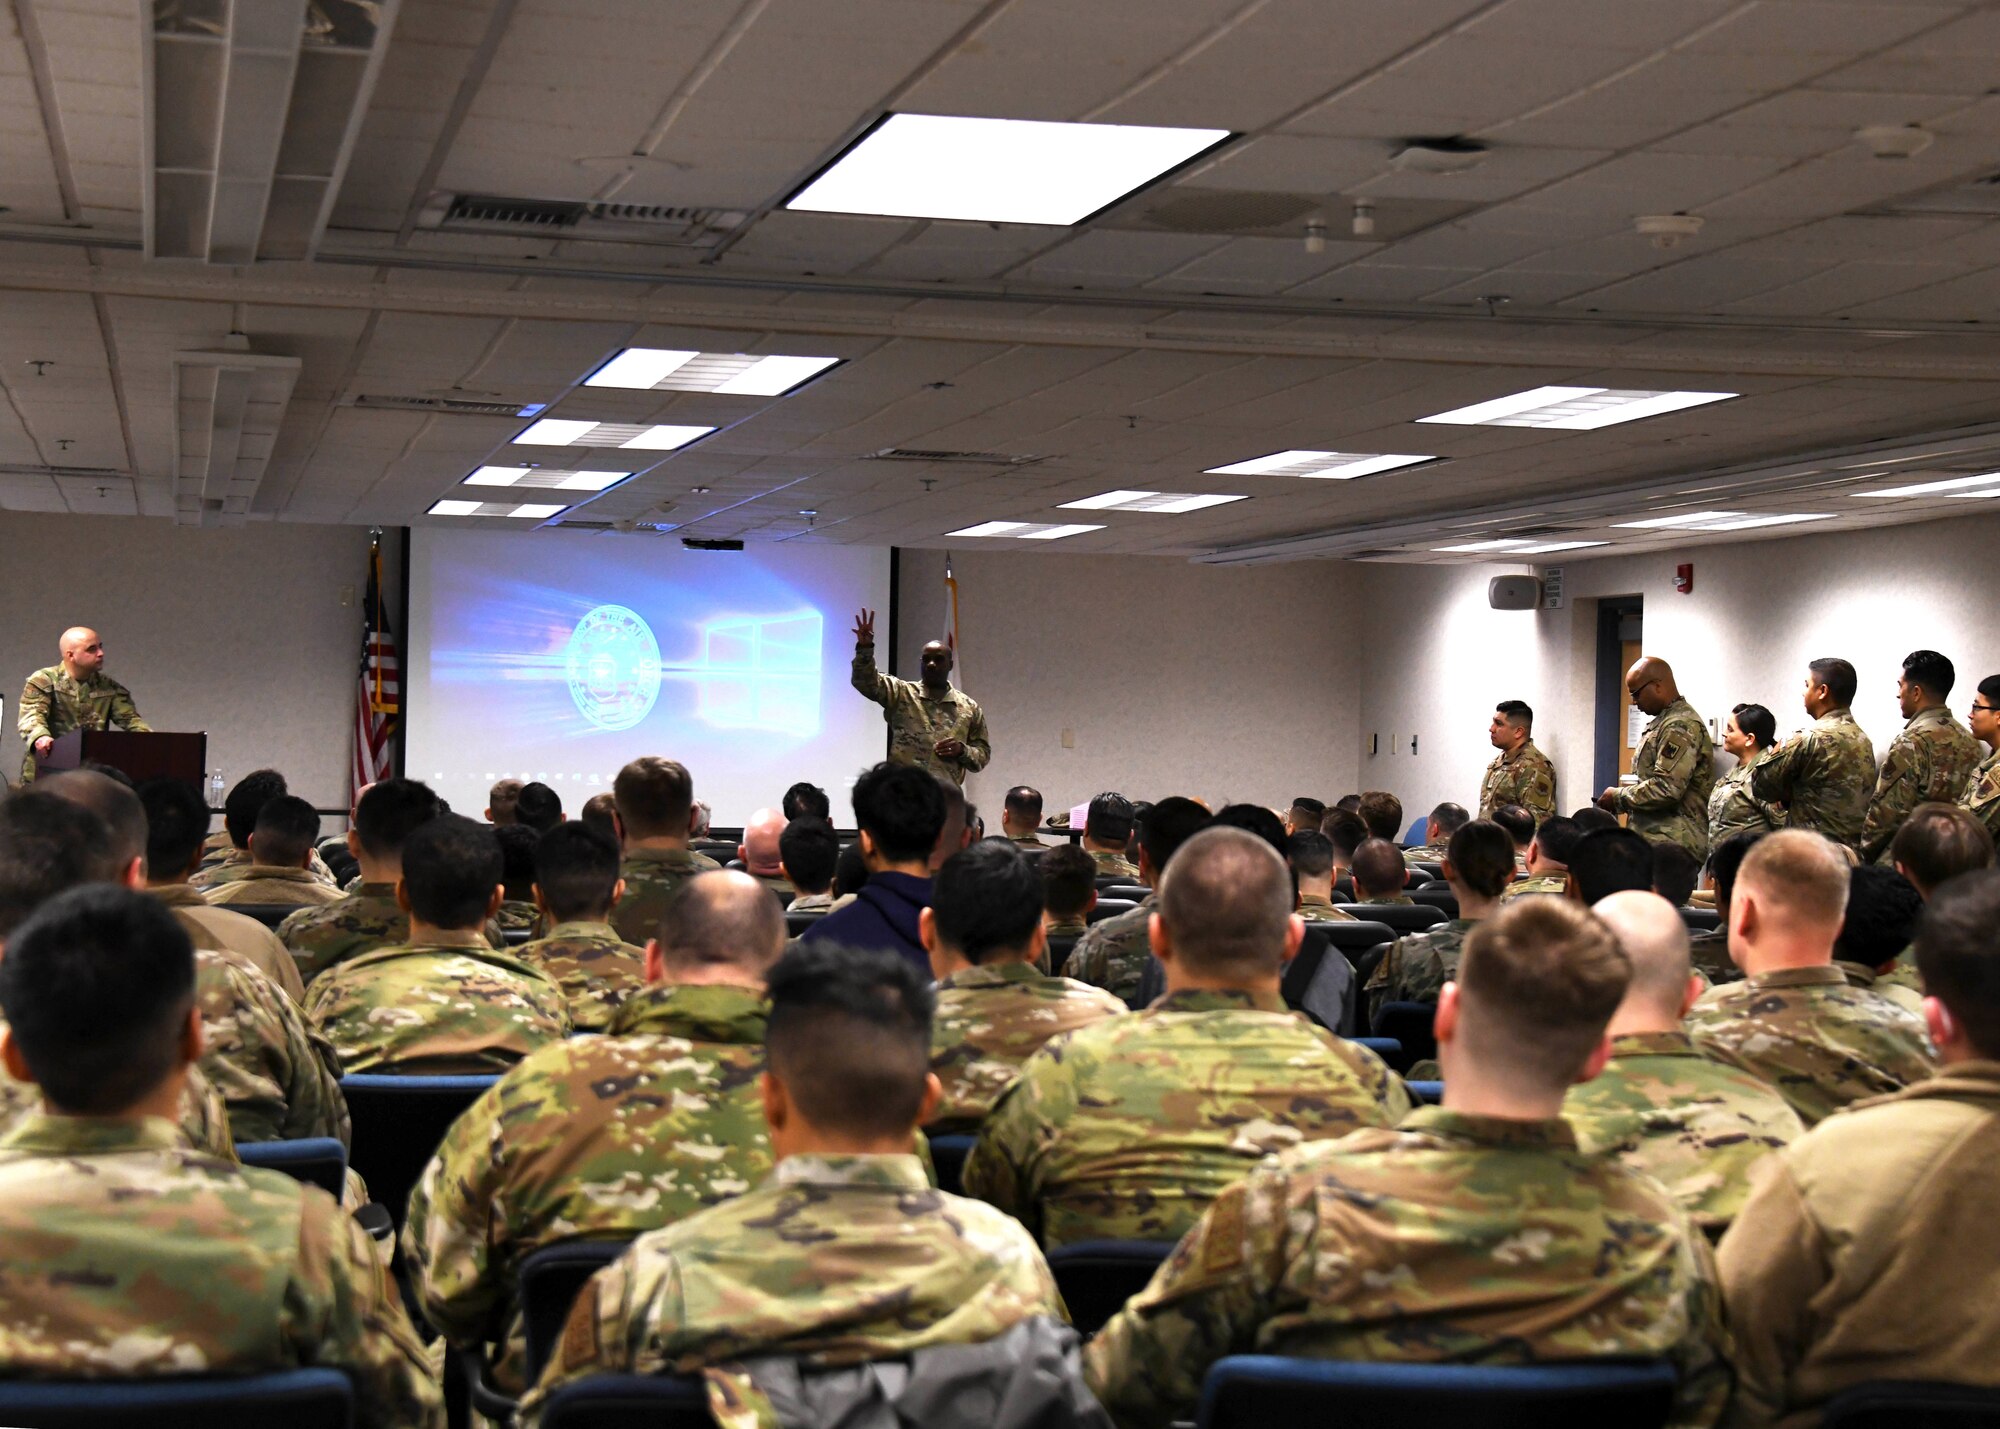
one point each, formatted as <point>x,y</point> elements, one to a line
<point>1259,1391</point>
<point>1097,1277</point>
<point>295,1398</point>
<point>1913,1404</point>
<point>948,1155</point>
<point>398,1123</point>
<point>316,1160</point>
<point>629,1401</point>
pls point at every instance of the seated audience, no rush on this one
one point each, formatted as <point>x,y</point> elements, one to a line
<point>808,851</point>
<point>1548,858</point>
<point>654,801</point>
<point>538,807</point>
<point>281,857</point>
<point>901,811</point>
<point>1589,819</point>
<point>1069,889</point>
<point>1382,812</point>
<point>600,812</point>
<point>1882,912</point>
<point>1794,1021</point>
<point>1478,864</point>
<point>844,1252</point>
<point>1128,1128</point>
<point>1520,827</point>
<point>229,859</point>
<point>1445,820</point>
<point>1473,1232</point>
<point>576,885</point>
<point>1607,861</point>
<point>1305,814</point>
<point>501,802</point>
<point>447,1001</point>
<point>806,801</point>
<point>1675,873</point>
<point>1311,856</point>
<point>1379,874</point>
<point>1937,842</point>
<point>1710,950</point>
<point>606,1137</point>
<point>1695,1126</point>
<point>1107,829</point>
<point>1113,954</point>
<point>517,877</point>
<point>1345,831</point>
<point>956,831</point>
<point>1862,1254</point>
<point>760,853</point>
<point>1021,816</point>
<point>994,1008</point>
<point>131,1255</point>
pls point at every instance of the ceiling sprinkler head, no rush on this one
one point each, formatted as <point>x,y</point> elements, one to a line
<point>1894,141</point>
<point>1364,219</point>
<point>1667,229</point>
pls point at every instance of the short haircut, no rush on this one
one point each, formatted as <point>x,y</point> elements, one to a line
<point>1448,818</point>
<point>901,808</point>
<point>1655,941</point>
<point>1989,688</point>
<point>176,823</point>
<point>699,817</point>
<point>722,918</point>
<point>244,802</point>
<point>1838,676</point>
<point>808,849</point>
<point>1940,841</point>
<point>115,803</point>
<point>600,812</point>
<point>655,797</point>
<point>1165,826</point>
<point>1557,836</point>
<point>1109,819</point>
<point>1254,819</point>
<point>1958,954</point>
<point>1313,809</point>
<point>1226,903</point>
<point>1518,822</point>
<point>539,807</point>
<point>390,812</point>
<point>1482,855</point>
<point>1349,804</point>
<point>806,801</point>
<point>1882,912</point>
<point>1757,722</point>
<point>96,987</point>
<point>850,871</point>
<point>987,900</point>
<point>500,801</point>
<point>1069,877</point>
<point>1383,813</point>
<point>287,828</point>
<point>1931,670</point>
<point>1725,859</point>
<point>1516,713</point>
<point>1537,984</point>
<point>451,866</point>
<point>1675,873</point>
<point>849,1036</point>
<point>1310,853</point>
<point>1378,869</point>
<point>1608,861</point>
<point>1798,876</point>
<point>1024,803</point>
<point>518,841</point>
<point>48,846</point>
<point>1589,819</point>
<point>576,868</point>
<point>1345,831</point>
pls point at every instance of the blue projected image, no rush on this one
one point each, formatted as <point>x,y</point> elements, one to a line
<point>613,663</point>
<point>761,673</point>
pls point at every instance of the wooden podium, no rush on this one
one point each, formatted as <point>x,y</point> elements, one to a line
<point>139,756</point>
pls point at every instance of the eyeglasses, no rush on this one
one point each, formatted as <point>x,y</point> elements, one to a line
<point>1984,709</point>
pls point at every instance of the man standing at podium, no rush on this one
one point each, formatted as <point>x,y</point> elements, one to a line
<point>73,694</point>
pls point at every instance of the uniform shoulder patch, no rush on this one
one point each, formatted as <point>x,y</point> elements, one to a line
<point>1222,1247</point>
<point>579,1340</point>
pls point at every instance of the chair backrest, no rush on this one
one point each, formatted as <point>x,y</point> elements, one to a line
<point>1912,1404</point>
<point>797,923</point>
<point>1701,920</point>
<point>1429,1093</point>
<point>547,1284</point>
<point>1258,1391</point>
<point>514,937</point>
<point>1097,1277</point>
<point>316,1160</point>
<point>629,1401</point>
<point>1060,947</point>
<point>1109,908</point>
<point>1107,881</point>
<point>398,1123</point>
<point>1354,939</point>
<point>1424,871</point>
<point>1410,1024</point>
<point>1387,1048</point>
<point>1137,892</point>
<point>295,1398</point>
<point>1440,898</point>
<point>1403,917</point>
<point>948,1155</point>
<point>269,914</point>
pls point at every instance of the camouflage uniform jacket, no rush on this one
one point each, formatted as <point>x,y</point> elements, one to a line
<point>1535,883</point>
<point>918,723</point>
<point>1675,766</point>
<point>1127,1129</point>
<point>1426,853</point>
<point>1111,864</point>
<point>130,1255</point>
<point>1695,1126</point>
<point>1029,844</point>
<point>1315,909</point>
<point>1073,927</point>
<point>234,934</point>
<point>516,914</point>
<point>596,1138</point>
<point>1113,954</point>
<point>1893,985</point>
<point>1524,777</point>
<point>1709,953</point>
<point>1734,808</point>
<point>263,883</point>
<point>1418,965</point>
<point>1930,760</point>
<point>1452,1238</point>
<point>203,1123</point>
<point>839,1259</point>
<point>234,863</point>
<point>812,903</point>
<point>596,969</point>
<point>280,1080</point>
<point>1982,794</point>
<point>1822,775</point>
<point>652,877</point>
<point>360,922</point>
<point>1394,900</point>
<point>439,1008</point>
<point>53,704</point>
<point>1822,1043</point>
<point>989,1020</point>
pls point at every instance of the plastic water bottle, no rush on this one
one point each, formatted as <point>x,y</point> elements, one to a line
<point>215,789</point>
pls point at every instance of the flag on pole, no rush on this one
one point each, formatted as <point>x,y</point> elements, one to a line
<point>951,614</point>
<point>378,699</point>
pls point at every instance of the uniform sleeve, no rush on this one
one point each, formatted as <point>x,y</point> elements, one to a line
<point>454,1218</point>
<point>1381,982</point>
<point>1771,1266</point>
<point>205,1116</point>
<point>978,748</point>
<point>125,714</point>
<point>871,682</point>
<point>625,1320</point>
<point>317,1105</point>
<point>1000,1170</point>
<point>33,717</point>
<point>1772,779</point>
<point>1680,752</point>
<point>1898,789</point>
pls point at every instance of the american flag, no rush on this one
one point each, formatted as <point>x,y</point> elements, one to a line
<point>378,699</point>
<point>951,615</point>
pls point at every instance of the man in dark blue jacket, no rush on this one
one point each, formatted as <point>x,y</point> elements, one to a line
<point>900,811</point>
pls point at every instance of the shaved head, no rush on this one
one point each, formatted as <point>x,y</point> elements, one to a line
<point>81,648</point>
<point>1651,684</point>
<point>77,637</point>
<point>111,801</point>
<point>1655,941</point>
<point>760,842</point>
<point>724,917</point>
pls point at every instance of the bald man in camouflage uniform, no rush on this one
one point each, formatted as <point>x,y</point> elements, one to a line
<point>1823,774</point>
<point>1520,773</point>
<point>1674,766</point>
<point>1929,760</point>
<point>74,693</point>
<point>930,724</point>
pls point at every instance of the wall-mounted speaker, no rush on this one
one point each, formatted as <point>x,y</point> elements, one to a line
<point>1514,593</point>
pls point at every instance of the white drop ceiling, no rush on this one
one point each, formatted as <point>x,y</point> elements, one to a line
<point>1854,302</point>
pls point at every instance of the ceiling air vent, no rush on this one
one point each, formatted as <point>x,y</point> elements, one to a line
<point>918,454</point>
<point>1251,214</point>
<point>444,406</point>
<point>1975,198</point>
<point>579,218</point>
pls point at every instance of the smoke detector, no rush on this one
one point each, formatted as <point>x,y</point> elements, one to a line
<point>1439,156</point>
<point>1667,229</point>
<point>1894,141</point>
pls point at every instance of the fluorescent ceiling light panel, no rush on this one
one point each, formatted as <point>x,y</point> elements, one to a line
<point>662,438</point>
<point>590,480</point>
<point>1339,466</point>
<point>770,376</point>
<point>1574,409</point>
<point>536,513</point>
<point>632,436</point>
<point>1750,523</point>
<point>549,478</point>
<point>1508,544</point>
<point>1686,518</point>
<point>1054,533</point>
<point>454,508</point>
<point>1552,546</point>
<point>997,170</point>
<point>1023,530</point>
<point>1958,486</point>
<point>747,374</point>
<point>497,475</point>
<point>640,368</point>
<point>1718,521</point>
<point>553,432</point>
<point>1172,503</point>
<point>991,528</point>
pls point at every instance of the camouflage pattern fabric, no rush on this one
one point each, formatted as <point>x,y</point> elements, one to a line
<point>516,914</point>
<point>1982,794</point>
<point>1111,864</point>
<point>1453,1238</point>
<point>1056,927</point>
<point>234,863</point>
<point>1113,954</point>
<point>1821,1043</point>
<point>1675,769</point>
<point>1822,775</point>
<point>263,883</point>
<point>917,723</point>
<point>280,1080</point>
<point>1524,777</point>
<point>1394,900</point>
<point>591,1138</point>
<point>1028,844</point>
<point>1695,1126</point>
<point>1907,995</point>
<point>1734,808</point>
<point>1535,883</point>
<point>443,1008</point>
<point>811,903</point>
<point>838,1259</point>
<point>360,922</point>
<point>652,877</point>
<point>596,969</point>
<point>1315,909</point>
<point>1418,965</point>
<point>1709,954</point>
<point>1426,853</point>
<point>240,937</point>
<point>1127,1129</point>
<point>53,704</point>
<point>991,1019</point>
<point>1930,760</point>
<point>131,1256</point>
<point>203,1123</point>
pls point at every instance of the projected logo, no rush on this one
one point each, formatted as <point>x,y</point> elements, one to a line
<point>614,667</point>
<point>754,672</point>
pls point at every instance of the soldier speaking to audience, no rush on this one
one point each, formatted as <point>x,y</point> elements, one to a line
<point>73,693</point>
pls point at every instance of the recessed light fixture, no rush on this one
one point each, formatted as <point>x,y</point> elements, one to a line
<point>533,511</point>
<point>1574,409</point>
<point>454,508</point>
<point>1337,466</point>
<point>1717,521</point>
<point>545,477</point>
<point>563,432</point>
<point>1973,488</point>
<point>744,374</point>
<point>1549,547</point>
<point>1471,547</point>
<point>1023,530</point>
<point>1170,502</point>
<point>997,170</point>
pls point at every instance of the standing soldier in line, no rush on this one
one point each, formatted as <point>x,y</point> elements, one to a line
<point>1823,774</point>
<point>1982,789</point>
<point>1520,773</point>
<point>931,724</point>
<point>1732,808</point>
<point>1675,764</point>
<point>73,693</point>
<point>1929,761</point>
